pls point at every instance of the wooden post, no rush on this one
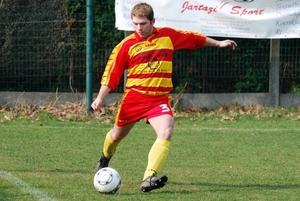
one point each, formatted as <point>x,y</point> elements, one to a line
<point>274,72</point>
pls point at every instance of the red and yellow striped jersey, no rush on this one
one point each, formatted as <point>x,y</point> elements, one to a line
<point>148,61</point>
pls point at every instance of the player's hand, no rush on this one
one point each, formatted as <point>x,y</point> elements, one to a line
<point>96,104</point>
<point>228,43</point>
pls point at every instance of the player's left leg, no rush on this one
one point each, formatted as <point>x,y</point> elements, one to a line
<point>163,126</point>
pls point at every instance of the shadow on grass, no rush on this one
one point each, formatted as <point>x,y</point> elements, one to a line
<point>185,188</point>
<point>56,170</point>
<point>245,186</point>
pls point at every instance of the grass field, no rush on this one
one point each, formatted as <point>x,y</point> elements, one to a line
<point>249,158</point>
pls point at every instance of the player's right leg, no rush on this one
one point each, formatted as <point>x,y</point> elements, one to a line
<point>112,140</point>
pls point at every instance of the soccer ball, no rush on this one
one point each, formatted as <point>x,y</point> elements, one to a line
<point>107,180</point>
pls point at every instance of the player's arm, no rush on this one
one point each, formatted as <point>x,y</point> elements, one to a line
<point>224,43</point>
<point>193,40</point>
<point>104,90</point>
<point>114,69</point>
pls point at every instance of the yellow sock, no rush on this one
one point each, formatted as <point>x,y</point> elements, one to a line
<point>109,146</point>
<point>157,156</point>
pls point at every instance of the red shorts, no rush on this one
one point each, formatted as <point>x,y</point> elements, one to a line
<point>136,106</point>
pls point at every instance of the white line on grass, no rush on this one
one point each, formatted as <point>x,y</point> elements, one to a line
<point>25,187</point>
<point>198,128</point>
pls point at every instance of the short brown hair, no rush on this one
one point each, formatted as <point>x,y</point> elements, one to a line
<point>143,10</point>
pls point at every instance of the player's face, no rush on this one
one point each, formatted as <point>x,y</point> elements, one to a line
<point>142,26</point>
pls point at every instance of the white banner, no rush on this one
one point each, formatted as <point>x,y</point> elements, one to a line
<point>221,18</point>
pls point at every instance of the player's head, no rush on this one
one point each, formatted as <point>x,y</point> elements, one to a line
<point>142,16</point>
<point>143,10</point>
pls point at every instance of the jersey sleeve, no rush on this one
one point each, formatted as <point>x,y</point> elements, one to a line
<point>186,39</point>
<point>115,67</point>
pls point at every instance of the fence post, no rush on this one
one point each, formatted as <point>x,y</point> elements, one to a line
<point>89,54</point>
<point>274,72</point>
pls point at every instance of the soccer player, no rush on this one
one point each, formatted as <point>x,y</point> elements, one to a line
<point>147,56</point>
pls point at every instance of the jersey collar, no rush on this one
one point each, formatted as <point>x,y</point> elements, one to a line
<point>138,38</point>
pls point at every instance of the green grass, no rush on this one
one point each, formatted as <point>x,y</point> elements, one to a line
<point>245,159</point>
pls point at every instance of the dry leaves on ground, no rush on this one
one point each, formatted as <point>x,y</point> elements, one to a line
<point>78,112</point>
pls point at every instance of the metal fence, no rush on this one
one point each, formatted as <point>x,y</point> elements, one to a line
<point>43,50</point>
<point>40,50</point>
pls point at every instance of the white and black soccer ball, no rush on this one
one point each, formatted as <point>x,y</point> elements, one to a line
<point>107,180</point>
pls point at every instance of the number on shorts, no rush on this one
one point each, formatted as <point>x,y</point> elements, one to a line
<point>164,108</point>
